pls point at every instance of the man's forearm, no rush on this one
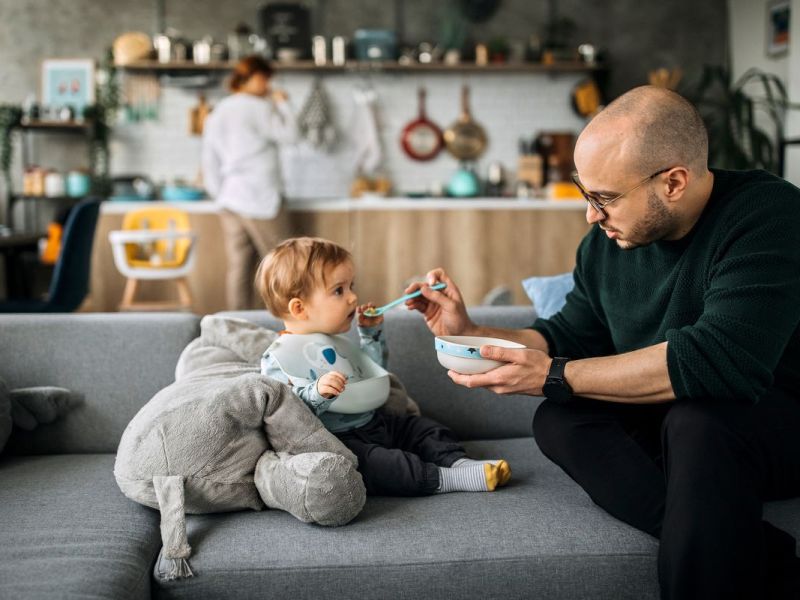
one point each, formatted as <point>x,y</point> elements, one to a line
<point>639,377</point>
<point>530,338</point>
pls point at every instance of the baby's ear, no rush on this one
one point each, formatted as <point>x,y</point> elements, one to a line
<point>297,309</point>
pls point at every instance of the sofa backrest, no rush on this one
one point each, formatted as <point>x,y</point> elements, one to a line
<point>471,413</point>
<point>115,362</point>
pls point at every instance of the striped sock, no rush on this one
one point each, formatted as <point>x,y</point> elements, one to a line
<point>503,468</point>
<point>475,478</point>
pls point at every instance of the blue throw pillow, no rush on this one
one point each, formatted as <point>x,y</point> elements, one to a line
<point>548,294</point>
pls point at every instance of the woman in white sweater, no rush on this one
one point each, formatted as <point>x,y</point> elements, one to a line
<point>241,170</point>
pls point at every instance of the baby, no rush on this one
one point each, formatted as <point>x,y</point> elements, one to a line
<point>308,282</point>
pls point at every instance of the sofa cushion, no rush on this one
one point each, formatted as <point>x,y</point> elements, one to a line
<point>539,537</point>
<point>548,294</point>
<point>68,531</point>
<point>114,362</point>
<point>470,413</point>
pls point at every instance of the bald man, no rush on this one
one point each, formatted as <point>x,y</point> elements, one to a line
<point>672,374</point>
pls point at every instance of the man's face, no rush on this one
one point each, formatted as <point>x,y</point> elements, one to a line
<point>638,218</point>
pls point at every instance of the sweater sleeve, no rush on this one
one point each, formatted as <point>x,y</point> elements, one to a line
<point>373,343</point>
<point>212,166</point>
<point>578,330</point>
<point>280,123</point>
<point>751,308</point>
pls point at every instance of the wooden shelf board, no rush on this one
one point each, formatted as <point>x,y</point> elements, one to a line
<point>388,66</point>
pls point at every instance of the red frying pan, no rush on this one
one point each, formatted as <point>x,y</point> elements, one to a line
<point>421,139</point>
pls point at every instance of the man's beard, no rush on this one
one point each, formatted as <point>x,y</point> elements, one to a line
<point>656,225</point>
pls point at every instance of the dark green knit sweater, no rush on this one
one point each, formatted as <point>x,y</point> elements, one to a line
<point>726,297</point>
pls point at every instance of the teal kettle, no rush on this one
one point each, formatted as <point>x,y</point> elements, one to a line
<point>463,183</point>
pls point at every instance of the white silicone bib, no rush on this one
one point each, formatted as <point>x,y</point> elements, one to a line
<point>305,358</point>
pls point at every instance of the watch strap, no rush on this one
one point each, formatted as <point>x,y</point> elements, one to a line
<point>557,368</point>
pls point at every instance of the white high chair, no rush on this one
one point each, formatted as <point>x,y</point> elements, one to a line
<point>154,244</point>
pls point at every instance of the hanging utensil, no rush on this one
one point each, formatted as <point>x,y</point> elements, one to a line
<point>421,139</point>
<point>465,139</point>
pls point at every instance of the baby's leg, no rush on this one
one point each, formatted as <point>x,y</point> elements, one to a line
<point>391,471</point>
<point>432,441</point>
<point>435,443</point>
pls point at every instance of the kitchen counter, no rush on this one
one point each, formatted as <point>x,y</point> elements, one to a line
<point>357,204</point>
<point>483,243</point>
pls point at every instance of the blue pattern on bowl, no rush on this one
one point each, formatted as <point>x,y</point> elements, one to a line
<point>456,350</point>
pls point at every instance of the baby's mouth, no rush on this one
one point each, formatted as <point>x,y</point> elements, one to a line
<point>351,315</point>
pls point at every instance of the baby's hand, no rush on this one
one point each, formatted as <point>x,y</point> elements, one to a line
<point>331,384</point>
<point>365,320</point>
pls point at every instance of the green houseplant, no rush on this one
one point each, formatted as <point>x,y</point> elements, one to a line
<point>731,109</point>
<point>100,117</point>
<point>10,116</point>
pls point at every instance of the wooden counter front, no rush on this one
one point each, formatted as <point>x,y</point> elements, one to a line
<point>480,249</point>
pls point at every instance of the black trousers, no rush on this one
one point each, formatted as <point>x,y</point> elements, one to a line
<point>401,455</point>
<point>695,475</point>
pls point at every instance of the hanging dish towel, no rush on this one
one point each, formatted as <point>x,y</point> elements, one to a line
<point>368,152</point>
<point>315,121</point>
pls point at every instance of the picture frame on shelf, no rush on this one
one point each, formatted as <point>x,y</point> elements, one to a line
<point>68,82</point>
<point>778,16</point>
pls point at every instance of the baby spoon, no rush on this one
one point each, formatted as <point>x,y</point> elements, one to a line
<point>374,312</point>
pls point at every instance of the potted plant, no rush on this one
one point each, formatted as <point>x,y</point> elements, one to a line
<point>10,116</point>
<point>738,137</point>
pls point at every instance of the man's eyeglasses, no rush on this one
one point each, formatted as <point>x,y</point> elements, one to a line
<point>599,202</point>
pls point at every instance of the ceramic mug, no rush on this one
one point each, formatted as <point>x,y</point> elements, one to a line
<point>53,184</point>
<point>77,184</point>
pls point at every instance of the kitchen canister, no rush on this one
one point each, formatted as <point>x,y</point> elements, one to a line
<point>77,184</point>
<point>53,184</point>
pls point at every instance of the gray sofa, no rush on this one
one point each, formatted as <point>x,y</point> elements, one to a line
<point>67,531</point>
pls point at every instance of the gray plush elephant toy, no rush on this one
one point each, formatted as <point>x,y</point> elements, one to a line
<point>27,408</point>
<point>223,437</point>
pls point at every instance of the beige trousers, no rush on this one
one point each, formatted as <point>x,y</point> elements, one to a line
<point>247,241</point>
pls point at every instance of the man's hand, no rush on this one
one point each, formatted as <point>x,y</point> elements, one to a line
<point>444,310</point>
<point>279,96</point>
<point>331,384</point>
<point>525,372</point>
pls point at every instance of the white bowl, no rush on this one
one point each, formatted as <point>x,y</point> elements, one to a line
<point>461,353</point>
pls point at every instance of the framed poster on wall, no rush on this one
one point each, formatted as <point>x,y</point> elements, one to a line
<point>778,27</point>
<point>68,82</point>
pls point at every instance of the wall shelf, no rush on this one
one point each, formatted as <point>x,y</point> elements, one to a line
<point>370,66</point>
<point>55,126</point>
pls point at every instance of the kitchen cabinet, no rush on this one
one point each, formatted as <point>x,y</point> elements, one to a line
<point>481,244</point>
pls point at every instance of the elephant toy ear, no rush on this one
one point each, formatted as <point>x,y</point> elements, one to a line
<point>34,406</point>
<point>5,414</point>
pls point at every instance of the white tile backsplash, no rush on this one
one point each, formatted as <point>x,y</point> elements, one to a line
<point>507,105</point>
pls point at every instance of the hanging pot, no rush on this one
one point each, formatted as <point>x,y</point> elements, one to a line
<point>465,139</point>
<point>421,139</point>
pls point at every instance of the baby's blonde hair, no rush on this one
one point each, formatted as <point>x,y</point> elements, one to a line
<point>294,269</point>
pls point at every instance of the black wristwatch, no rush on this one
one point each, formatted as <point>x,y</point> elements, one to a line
<point>555,388</point>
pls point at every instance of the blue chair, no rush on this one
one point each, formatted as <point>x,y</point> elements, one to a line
<point>70,282</point>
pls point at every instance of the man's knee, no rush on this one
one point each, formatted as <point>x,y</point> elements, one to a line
<point>549,425</point>
<point>698,429</point>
